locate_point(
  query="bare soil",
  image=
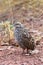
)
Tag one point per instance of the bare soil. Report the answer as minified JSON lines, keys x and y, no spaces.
{"x":11,"y":55}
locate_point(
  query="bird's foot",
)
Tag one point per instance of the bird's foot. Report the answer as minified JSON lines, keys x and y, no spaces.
{"x":23,"y":52}
{"x":29,"y":52}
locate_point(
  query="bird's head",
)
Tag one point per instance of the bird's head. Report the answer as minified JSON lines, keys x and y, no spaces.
{"x":18,"y":25}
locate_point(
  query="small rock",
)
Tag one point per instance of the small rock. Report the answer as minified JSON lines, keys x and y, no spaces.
{"x":9,"y":47}
{"x":35,"y":51}
{"x":4,"y":44}
{"x":3,"y":48}
{"x":26,"y":54}
{"x":24,"y":64}
{"x":41,"y":59}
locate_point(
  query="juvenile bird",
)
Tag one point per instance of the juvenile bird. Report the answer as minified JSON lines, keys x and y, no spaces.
{"x":23,"y":37}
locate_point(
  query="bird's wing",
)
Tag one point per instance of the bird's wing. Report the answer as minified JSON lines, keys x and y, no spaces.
{"x":27,"y":39}
{"x":25,"y":32}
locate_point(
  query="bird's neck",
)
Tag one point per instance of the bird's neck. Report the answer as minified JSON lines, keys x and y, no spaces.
{"x":19,"y":29}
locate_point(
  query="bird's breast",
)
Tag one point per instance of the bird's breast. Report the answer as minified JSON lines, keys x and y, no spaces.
{"x":18,"y":35}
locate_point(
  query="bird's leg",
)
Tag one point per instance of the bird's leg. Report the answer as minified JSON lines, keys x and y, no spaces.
{"x":23,"y":51}
{"x":27,"y":51}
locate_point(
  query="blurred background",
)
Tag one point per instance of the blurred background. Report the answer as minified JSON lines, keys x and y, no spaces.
{"x":29,"y":12}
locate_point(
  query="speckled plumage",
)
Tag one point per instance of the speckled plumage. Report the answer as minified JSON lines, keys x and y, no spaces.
{"x":23,"y":37}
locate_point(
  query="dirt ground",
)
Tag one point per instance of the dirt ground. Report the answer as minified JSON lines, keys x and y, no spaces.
{"x":11,"y":55}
